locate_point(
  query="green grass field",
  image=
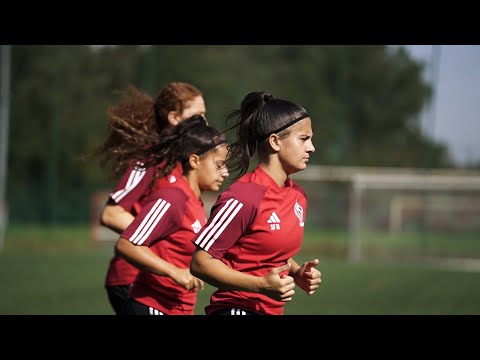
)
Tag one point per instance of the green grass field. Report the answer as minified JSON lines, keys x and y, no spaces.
{"x":45,"y":271}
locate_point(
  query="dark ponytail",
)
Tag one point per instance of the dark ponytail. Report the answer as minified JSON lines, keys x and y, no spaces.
{"x":259,"y":116}
{"x":191,"y":136}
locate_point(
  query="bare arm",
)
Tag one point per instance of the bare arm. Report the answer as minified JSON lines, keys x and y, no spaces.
{"x":146,"y":260}
{"x":115,"y":217}
{"x":216,"y":273}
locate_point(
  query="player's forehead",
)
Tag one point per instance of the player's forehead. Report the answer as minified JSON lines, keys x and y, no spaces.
{"x":218,"y":153}
{"x":303,"y":127}
{"x":194,"y":106}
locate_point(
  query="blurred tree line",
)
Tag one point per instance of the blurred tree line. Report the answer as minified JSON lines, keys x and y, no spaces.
{"x":365,"y":103}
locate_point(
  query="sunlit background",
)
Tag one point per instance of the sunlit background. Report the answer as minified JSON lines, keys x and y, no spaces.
{"x":393,"y":187}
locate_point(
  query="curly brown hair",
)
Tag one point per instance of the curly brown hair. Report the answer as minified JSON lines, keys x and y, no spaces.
{"x":137,"y":122}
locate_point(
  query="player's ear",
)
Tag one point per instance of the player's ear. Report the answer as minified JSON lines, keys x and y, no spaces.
{"x":173,"y":118}
{"x":274,"y":141}
{"x":194,"y":161}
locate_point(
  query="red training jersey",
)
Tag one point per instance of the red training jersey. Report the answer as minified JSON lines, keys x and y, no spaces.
{"x":254,"y":226}
{"x":167,"y":223}
{"x":131,"y":193}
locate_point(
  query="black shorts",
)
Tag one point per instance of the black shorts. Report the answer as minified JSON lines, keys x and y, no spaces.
{"x":133,"y":307}
{"x":118,"y":297}
{"x":234,"y":311}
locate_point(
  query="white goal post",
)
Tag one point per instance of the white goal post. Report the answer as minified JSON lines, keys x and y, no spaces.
{"x":420,"y":182}
{"x":395,"y":210}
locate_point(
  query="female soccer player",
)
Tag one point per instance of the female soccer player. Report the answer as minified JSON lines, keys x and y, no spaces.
{"x":136,"y":121}
{"x":158,"y":241}
{"x":256,"y":225}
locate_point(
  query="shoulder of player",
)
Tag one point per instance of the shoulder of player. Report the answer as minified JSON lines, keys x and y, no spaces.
{"x":298,"y":188}
{"x":171,"y":194}
{"x":245,"y":192}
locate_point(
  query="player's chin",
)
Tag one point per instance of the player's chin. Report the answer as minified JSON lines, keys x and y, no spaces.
{"x":302,"y":165}
{"x":295,"y":169}
{"x":215,"y":187}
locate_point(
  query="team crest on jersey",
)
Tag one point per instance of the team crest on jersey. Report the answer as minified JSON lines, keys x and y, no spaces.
{"x":196,"y":226}
{"x":298,"y":210}
{"x":274,"y":221}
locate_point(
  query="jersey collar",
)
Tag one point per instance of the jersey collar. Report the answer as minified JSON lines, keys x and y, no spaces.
{"x":262,"y":174}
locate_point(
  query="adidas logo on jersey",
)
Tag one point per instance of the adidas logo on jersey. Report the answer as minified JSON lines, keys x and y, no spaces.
{"x":196,"y":226}
{"x":274,"y":221}
{"x":172,"y":179}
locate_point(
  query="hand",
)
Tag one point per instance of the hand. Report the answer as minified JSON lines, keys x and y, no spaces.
{"x":184,"y":278}
{"x":307,"y":277}
{"x":279,"y":287}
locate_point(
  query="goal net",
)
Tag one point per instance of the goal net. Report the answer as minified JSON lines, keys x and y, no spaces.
{"x":391,"y":213}
{"x":414,"y":215}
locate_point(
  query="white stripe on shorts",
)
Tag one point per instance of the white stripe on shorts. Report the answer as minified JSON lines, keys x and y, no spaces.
{"x":154,"y":311}
{"x":234,"y":311}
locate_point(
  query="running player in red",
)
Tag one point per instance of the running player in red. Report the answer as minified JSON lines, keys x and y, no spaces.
{"x":256,"y":226}
{"x":139,"y":121}
{"x":158,"y":241}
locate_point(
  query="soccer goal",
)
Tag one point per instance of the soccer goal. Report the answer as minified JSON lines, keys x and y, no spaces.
{"x":414,"y":215}
{"x":370,"y":212}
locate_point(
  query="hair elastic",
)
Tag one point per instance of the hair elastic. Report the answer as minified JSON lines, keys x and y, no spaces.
{"x":261,"y":138}
{"x":210,"y":147}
